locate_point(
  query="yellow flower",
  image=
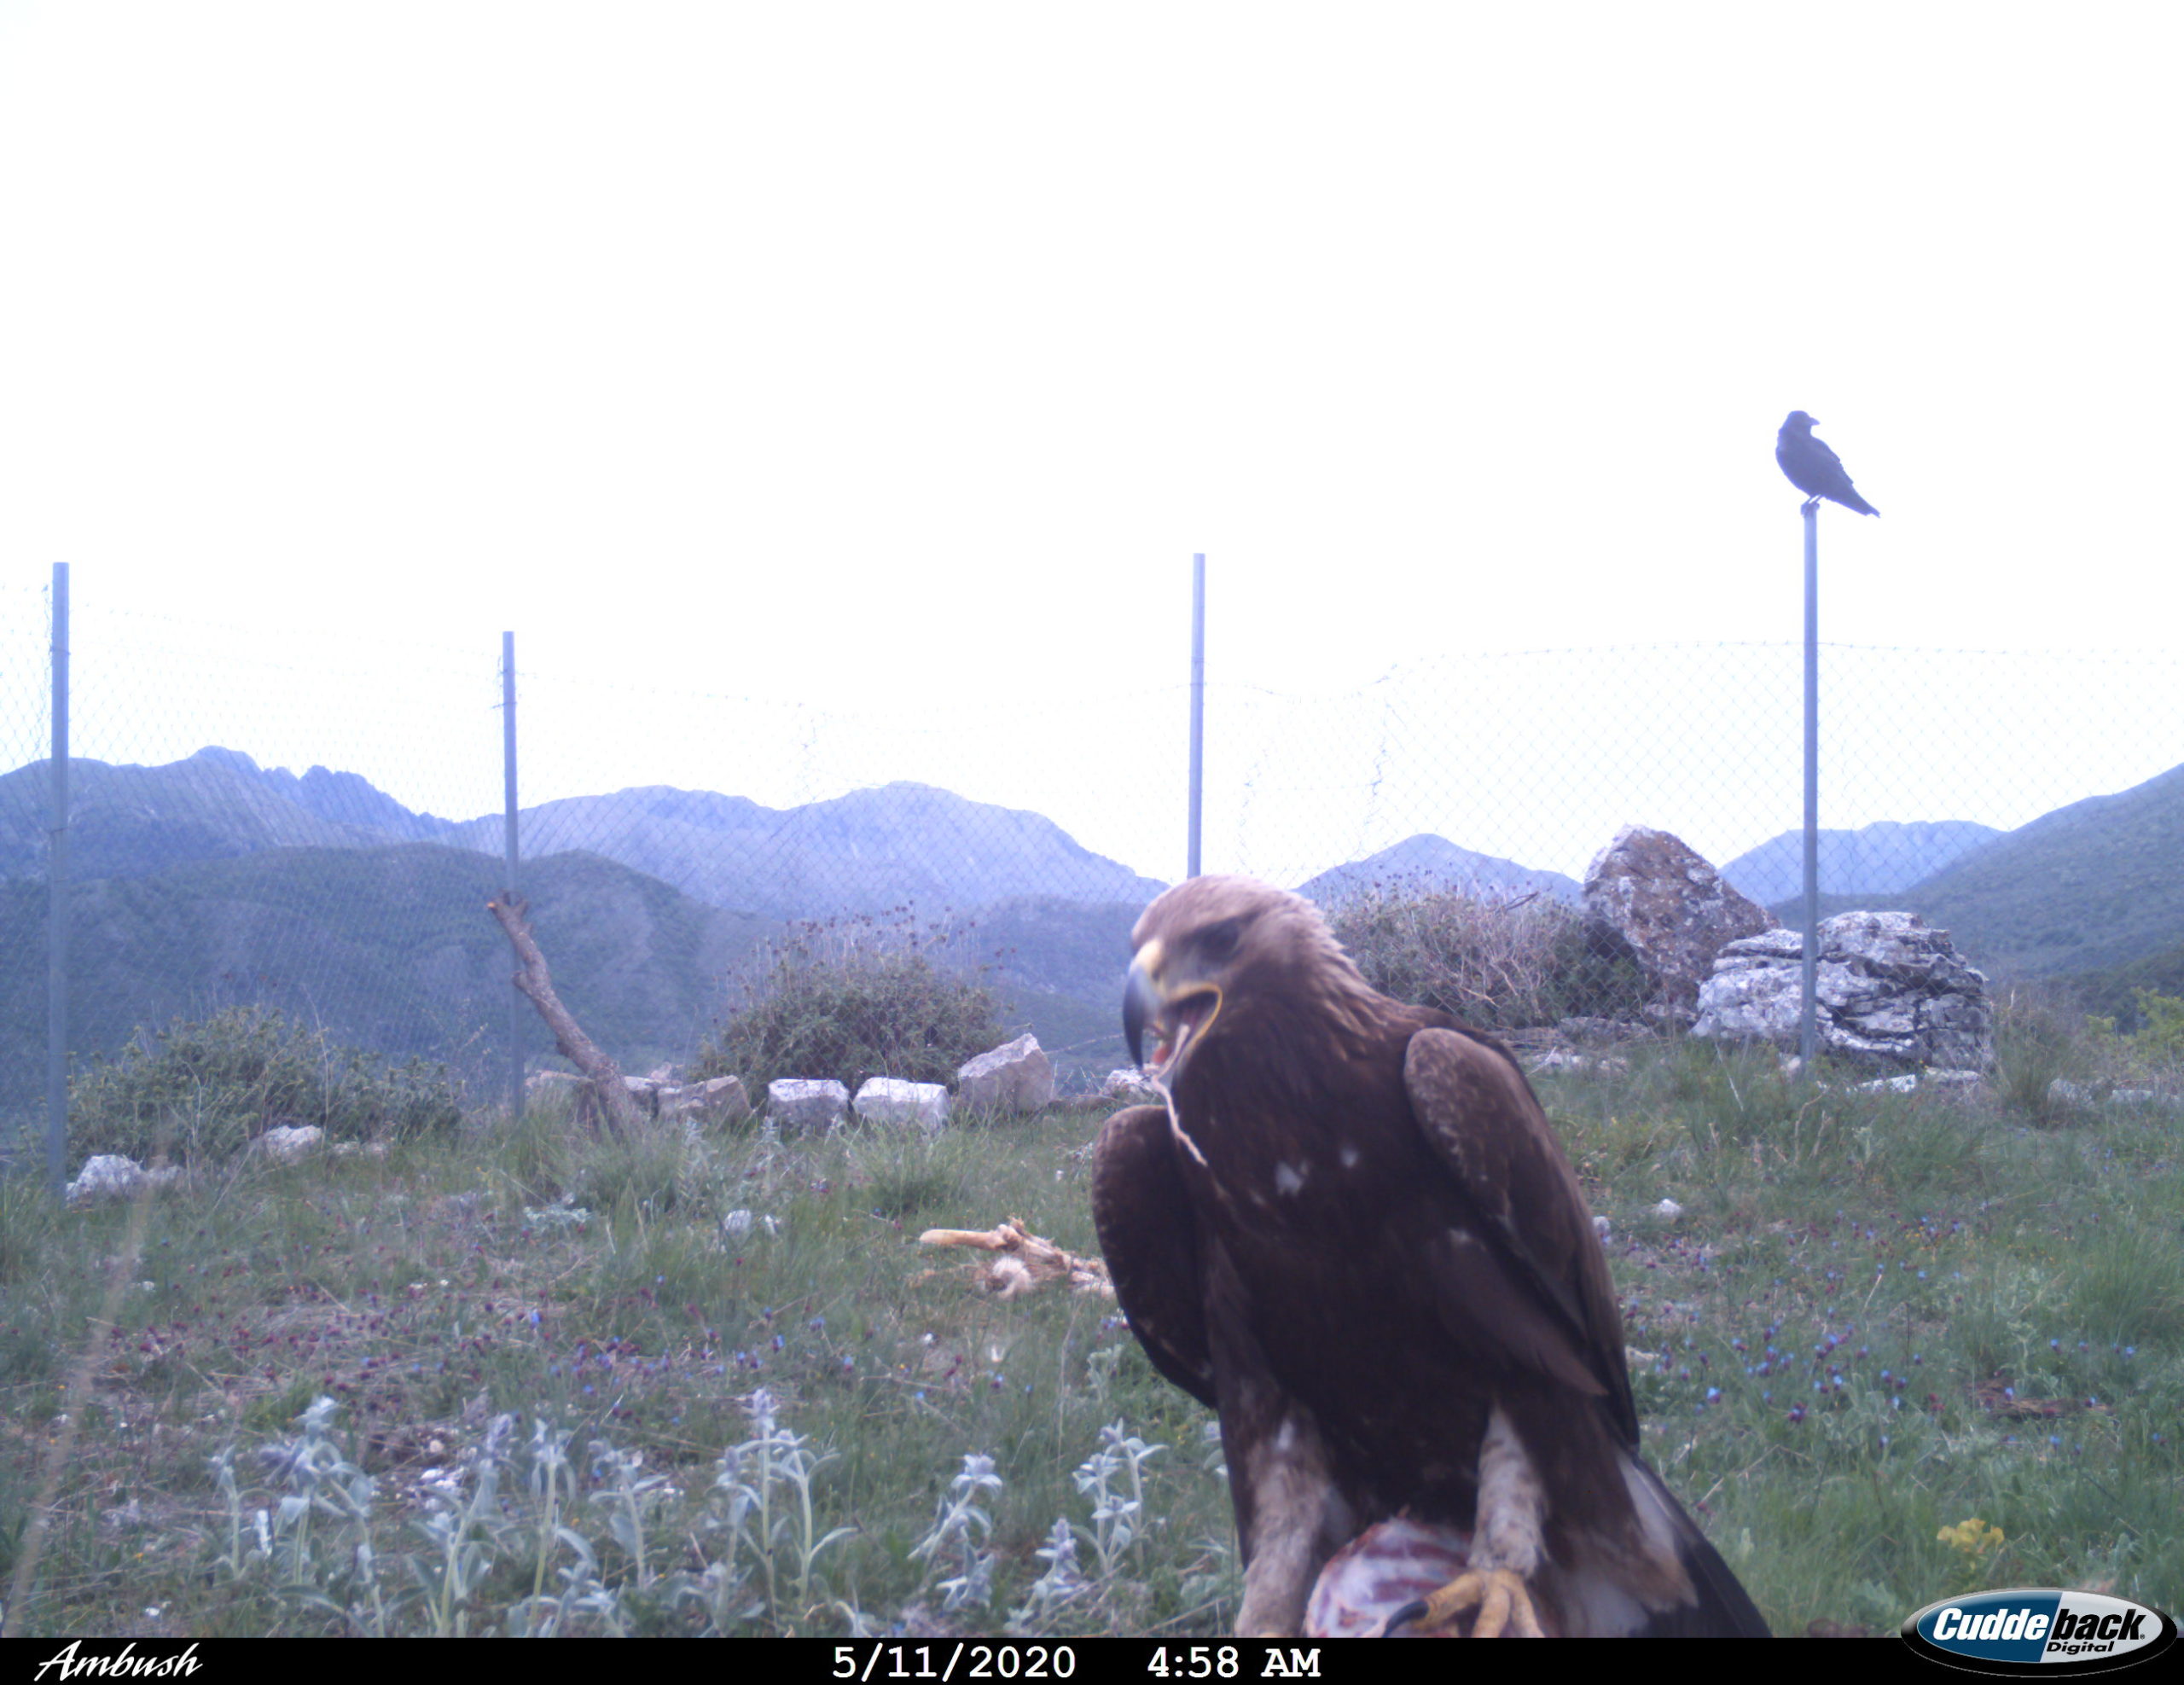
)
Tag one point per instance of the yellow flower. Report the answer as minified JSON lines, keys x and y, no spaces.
{"x":1973,"y":1536}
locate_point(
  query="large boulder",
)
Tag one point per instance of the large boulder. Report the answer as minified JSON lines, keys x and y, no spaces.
{"x":799,"y":1103}
{"x":1659,"y":898}
{"x":1016,"y":1077}
{"x":1891,"y":991}
{"x":890,"y":1100}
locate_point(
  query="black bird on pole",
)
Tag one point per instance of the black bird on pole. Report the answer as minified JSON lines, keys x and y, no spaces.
{"x":1812,"y":467}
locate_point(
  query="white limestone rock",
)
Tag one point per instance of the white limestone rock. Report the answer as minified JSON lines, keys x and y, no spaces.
{"x":285,"y":1145}
{"x":889,"y":1100}
{"x":1016,"y":1078}
{"x":105,"y":1176}
{"x":1891,"y":991}
{"x":800,"y":1103}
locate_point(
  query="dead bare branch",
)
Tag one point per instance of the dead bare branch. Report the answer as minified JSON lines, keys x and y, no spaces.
{"x":537,"y":983}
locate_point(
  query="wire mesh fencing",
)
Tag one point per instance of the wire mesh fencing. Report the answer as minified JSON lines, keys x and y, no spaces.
{"x":2017,"y":798}
{"x":314,"y":824}
{"x":1539,"y":757}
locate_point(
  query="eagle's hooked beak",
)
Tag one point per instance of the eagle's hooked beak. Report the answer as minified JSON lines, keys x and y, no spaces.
{"x":1178,"y":1020}
{"x":1141,"y":1003}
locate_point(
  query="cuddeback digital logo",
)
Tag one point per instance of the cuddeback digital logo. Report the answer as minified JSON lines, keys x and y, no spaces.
{"x":2032,"y":1632}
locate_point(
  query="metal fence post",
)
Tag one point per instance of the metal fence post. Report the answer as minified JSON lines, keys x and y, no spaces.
{"x":56,"y":926}
{"x":1198,"y":709}
{"x":1808,"y":1023}
{"x":507,"y":782}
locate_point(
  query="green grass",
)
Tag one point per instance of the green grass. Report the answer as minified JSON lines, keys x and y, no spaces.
{"x":415,"y":1291}
{"x":1883,"y":1314}
{"x":1877,"y":1316}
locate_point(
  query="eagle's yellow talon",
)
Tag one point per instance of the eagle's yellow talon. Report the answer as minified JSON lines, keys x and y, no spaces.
{"x":1504,"y":1606}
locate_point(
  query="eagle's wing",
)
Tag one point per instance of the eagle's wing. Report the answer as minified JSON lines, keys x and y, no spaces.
{"x":1545,"y":1282}
{"x":1150,"y":1241}
{"x":1557,"y":1312}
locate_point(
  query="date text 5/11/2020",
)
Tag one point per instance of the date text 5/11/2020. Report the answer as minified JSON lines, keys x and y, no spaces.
{"x":947,"y":1661}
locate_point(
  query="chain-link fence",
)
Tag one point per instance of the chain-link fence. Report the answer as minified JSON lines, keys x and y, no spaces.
{"x":314,"y":824}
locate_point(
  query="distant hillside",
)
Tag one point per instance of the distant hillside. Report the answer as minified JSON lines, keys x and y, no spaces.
{"x":128,"y":821}
{"x":391,"y":949}
{"x":1885,"y":859}
{"x":2090,"y":886}
{"x":1431,"y":862}
{"x":1052,"y":944}
{"x":1790,"y":913}
{"x":1060,"y":965}
{"x":865,"y":851}
{"x":388,"y":947}
{"x":214,"y":880}
{"x":2113,"y":990}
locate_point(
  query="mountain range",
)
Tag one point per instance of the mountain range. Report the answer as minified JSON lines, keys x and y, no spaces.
{"x":861,"y":853}
{"x":1428,"y":862}
{"x":1886,"y":858}
{"x":129,"y":822}
{"x":390,"y":947}
{"x":2086,"y":887}
{"x":1880,"y":859}
{"x":213,"y":878}
{"x":865,"y":851}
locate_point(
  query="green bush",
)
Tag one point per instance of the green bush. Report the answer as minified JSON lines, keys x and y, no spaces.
{"x":1498,"y":962}
{"x":210,"y":1088}
{"x":851,"y":999}
{"x":2160,"y":1034}
{"x":2150,"y":1051}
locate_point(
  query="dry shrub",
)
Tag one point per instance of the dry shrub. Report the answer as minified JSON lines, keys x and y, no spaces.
{"x":853,"y":998}
{"x":1500,"y":960}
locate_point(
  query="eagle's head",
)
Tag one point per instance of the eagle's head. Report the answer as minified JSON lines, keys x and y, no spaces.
{"x":1211,"y":950}
{"x":1799,"y":422}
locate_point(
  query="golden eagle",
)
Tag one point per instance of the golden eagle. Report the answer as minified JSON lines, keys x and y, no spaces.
{"x":1352,"y":1233}
{"x":1812,"y":467}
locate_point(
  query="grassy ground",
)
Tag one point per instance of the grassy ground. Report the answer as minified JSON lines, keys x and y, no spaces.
{"x":1877,"y":1316}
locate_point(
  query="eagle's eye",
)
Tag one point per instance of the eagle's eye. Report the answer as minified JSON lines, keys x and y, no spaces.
{"x":1218,"y":942}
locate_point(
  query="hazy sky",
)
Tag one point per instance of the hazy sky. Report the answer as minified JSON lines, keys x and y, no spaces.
{"x":890,"y":361}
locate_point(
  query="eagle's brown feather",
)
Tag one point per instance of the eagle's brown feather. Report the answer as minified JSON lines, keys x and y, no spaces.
{"x":1358,"y":1239}
{"x":1473,"y":1104}
{"x":1145,"y":1231}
